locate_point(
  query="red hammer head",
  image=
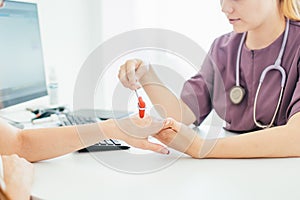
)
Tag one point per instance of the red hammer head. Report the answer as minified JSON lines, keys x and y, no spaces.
{"x":142,"y":107}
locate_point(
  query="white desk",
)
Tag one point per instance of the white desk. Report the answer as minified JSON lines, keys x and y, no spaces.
{"x":81,"y":176}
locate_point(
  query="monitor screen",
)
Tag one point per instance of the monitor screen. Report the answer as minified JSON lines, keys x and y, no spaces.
{"x":22,"y":73}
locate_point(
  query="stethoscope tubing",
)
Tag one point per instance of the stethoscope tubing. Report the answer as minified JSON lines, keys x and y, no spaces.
{"x":276,"y":66}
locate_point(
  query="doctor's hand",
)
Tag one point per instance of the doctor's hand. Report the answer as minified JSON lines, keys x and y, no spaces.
{"x":180,"y":137}
{"x":132,"y":72}
{"x":135,"y":132}
{"x":18,"y":177}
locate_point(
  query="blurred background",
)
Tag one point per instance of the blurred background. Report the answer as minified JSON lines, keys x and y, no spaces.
{"x":71,"y":30}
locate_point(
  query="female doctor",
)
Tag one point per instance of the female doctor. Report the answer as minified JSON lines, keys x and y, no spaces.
{"x":259,"y":65}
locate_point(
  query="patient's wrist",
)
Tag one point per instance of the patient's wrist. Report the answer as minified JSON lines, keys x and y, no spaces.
{"x":108,"y":128}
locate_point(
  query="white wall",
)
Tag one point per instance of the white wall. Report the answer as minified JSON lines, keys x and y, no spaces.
{"x":201,"y":21}
{"x":66,"y":38}
{"x":71,"y":30}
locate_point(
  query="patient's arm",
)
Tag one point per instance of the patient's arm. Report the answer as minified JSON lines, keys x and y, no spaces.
{"x":40,"y":144}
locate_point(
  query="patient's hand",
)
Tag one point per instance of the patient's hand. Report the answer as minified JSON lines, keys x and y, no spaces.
{"x":18,"y":177}
{"x":140,"y":127}
{"x":135,"y":131}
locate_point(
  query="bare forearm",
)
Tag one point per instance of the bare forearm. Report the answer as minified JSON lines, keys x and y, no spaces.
{"x":160,"y":95}
{"x":41,"y":144}
{"x":280,"y":141}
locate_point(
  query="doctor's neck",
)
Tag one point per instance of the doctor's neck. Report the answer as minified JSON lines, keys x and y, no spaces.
{"x":265,"y":34}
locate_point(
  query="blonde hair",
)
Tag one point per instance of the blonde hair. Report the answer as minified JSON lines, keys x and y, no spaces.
{"x":290,"y":9}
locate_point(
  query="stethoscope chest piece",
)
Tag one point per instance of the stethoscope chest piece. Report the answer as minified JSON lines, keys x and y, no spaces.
{"x":236,"y":94}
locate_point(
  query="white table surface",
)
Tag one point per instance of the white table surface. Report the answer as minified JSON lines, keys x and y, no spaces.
{"x":104,"y":175}
{"x":175,"y":176}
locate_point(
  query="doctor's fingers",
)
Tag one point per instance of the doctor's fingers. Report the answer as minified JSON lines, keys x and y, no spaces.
{"x":166,"y":136}
{"x":170,"y":123}
{"x":127,"y":76}
{"x":142,"y":69}
{"x":131,"y":66}
{"x":180,"y":141}
{"x":123,"y":77}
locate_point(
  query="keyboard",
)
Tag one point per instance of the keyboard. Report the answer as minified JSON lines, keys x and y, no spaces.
{"x":77,"y":118}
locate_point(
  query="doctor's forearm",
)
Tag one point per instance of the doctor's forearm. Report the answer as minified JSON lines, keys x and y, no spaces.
{"x":282,"y":141}
{"x":161,"y":95}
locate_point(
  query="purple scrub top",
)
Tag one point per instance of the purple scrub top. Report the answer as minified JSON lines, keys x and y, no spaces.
{"x":209,"y":88}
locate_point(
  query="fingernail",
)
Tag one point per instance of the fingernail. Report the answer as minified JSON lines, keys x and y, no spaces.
{"x":164,"y":151}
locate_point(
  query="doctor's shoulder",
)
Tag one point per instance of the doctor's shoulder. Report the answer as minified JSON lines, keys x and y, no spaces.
{"x":227,"y":40}
{"x":295,"y":23}
{"x":224,"y":47}
{"x":294,"y":36}
{"x":295,"y":31}
{"x":295,"y":27}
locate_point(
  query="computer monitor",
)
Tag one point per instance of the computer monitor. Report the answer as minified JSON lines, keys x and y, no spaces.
{"x":22,"y":73}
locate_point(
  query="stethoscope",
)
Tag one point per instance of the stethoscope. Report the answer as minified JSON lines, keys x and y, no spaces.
{"x":237,"y":92}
